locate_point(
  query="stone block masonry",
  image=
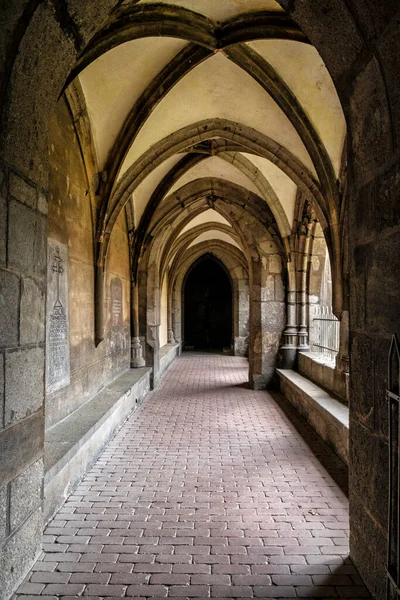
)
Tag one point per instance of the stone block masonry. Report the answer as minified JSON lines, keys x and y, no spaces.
{"x":22,"y":285}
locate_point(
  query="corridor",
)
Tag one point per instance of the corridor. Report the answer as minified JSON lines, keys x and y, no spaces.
{"x":207,"y":490}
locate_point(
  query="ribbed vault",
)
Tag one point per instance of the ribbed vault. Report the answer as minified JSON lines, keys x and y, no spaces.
{"x":221,"y":116}
{"x":183,"y":111}
{"x":150,"y":96}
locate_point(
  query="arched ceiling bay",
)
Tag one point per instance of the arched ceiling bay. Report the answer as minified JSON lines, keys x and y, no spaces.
{"x":303,"y":70}
{"x":145,"y":190}
{"x":218,"y":10}
{"x":113,"y":83}
{"x":143,"y":91}
{"x":212,"y":234}
{"x":217,"y":88}
{"x":208,"y":216}
{"x":206,"y":228}
{"x":283,"y":186}
{"x":216,"y":167}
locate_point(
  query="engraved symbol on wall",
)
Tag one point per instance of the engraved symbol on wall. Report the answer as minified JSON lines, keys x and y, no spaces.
{"x":57,"y":338}
{"x":116,"y":316}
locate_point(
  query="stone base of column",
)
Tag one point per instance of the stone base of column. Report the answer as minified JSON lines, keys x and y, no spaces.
{"x":137,"y":359}
{"x":342,"y":364}
{"x":288,"y":351}
{"x":263,"y":381}
{"x":288,"y":357}
{"x":171,"y":337}
{"x":302,"y":337}
{"x":241,"y":346}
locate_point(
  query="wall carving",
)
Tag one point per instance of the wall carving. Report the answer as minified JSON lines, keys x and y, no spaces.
{"x":57,"y":318}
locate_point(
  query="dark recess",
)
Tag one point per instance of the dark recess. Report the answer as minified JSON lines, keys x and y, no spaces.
{"x":207,"y":307}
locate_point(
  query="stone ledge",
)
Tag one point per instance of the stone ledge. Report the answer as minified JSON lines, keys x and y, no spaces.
{"x":72,"y":445}
{"x":168,"y":353}
{"x":327,"y":415}
{"x":323,"y":372}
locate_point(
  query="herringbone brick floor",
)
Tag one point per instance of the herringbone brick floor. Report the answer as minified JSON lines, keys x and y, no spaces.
{"x":207,"y":491}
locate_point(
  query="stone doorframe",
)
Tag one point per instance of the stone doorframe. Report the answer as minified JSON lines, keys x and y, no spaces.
{"x":235,"y":264}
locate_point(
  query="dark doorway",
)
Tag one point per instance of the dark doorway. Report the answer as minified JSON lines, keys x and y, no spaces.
{"x":207,"y":302}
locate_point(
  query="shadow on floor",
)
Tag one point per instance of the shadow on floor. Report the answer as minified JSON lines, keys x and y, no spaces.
{"x":337,"y":469}
{"x":343,"y":582}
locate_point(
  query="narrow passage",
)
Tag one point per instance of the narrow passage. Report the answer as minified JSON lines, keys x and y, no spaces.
{"x":208,"y":490}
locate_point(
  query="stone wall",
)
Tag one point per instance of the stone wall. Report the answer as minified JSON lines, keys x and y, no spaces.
{"x":365,"y":73}
{"x":23,"y":208}
{"x":36,"y":56}
{"x":374,"y":317}
{"x":374,"y":248}
{"x":70,"y":223}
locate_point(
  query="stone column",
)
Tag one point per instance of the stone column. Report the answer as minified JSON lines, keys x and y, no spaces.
{"x":137,"y":359}
{"x":171,"y":336}
{"x":153,"y":293}
{"x":255,"y":356}
{"x":290,"y":339}
{"x":241,"y":346}
{"x":153,"y":353}
{"x":303,"y":295}
{"x":176,"y":316}
{"x":267,"y":315}
{"x":342,"y":358}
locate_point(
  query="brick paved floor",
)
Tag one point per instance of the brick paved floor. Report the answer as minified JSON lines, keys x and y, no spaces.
{"x":207,"y":491}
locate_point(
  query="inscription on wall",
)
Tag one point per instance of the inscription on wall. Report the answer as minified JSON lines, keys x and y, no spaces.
{"x":57,"y":327}
{"x":116,"y":317}
{"x":116,"y":302}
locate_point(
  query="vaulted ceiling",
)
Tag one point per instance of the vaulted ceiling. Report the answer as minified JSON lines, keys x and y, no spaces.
{"x":186,"y":90}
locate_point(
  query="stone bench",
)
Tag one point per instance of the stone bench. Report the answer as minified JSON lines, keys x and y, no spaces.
{"x":322,"y":372}
{"x":73,"y":445}
{"x":168,"y":353}
{"x":327,"y":415}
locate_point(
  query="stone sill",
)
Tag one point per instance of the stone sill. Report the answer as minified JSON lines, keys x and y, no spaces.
{"x":167,"y":349}
{"x":168,"y":353}
{"x":322,"y":371}
{"x":72,"y":445}
{"x":327,"y":415}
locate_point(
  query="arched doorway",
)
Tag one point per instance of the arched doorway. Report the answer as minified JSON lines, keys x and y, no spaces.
{"x":207,"y":306}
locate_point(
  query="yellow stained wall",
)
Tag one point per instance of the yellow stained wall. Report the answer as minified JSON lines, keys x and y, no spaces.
{"x":164,"y":313}
{"x":71,"y":223}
